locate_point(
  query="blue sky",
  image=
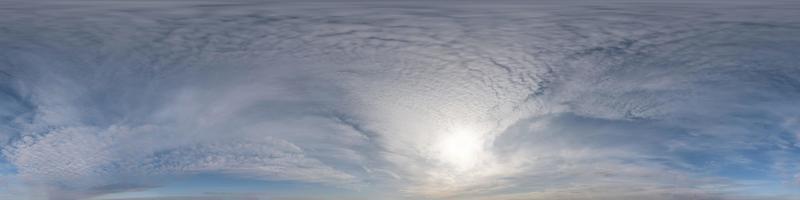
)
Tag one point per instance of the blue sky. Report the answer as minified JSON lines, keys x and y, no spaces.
{"x":274,"y":100}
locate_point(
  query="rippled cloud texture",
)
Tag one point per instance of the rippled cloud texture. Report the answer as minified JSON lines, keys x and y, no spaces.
{"x":608,"y":100}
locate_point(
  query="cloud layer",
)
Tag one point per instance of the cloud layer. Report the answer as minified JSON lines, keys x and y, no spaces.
{"x":546,"y":100}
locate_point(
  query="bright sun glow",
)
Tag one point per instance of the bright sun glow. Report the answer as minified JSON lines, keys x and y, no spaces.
{"x":461,"y":148}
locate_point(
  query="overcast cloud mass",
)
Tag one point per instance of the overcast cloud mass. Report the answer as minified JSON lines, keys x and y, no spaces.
{"x":277,"y":100}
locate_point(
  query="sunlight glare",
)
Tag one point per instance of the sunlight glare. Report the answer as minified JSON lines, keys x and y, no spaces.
{"x":461,"y":148}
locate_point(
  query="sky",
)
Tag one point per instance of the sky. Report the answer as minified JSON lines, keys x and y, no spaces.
{"x":395,"y":100}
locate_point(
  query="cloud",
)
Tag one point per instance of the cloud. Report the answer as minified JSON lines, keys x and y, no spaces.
{"x":595,"y":101}
{"x":190,"y":197}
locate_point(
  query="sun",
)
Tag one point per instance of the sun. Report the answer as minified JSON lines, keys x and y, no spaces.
{"x":461,"y":148}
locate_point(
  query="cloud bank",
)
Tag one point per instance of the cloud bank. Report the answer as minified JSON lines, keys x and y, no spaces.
{"x":545,"y":100}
